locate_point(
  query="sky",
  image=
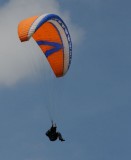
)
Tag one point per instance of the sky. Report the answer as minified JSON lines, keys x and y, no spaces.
{"x":91,"y":104}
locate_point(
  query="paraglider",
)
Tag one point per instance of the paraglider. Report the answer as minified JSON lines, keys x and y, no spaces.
{"x":53,"y":135}
{"x":52,"y":36}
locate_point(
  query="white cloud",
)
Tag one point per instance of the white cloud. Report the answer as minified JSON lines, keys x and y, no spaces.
{"x":17,"y":59}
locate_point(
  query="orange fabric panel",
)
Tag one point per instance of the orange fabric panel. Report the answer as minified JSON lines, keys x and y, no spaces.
{"x":24,"y":26}
{"x":47,"y":32}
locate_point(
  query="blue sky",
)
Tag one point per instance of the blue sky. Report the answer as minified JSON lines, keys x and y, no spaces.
{"x":91,"y":103}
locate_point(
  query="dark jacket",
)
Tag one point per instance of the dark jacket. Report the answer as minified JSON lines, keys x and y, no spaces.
{"x":52,"y":134}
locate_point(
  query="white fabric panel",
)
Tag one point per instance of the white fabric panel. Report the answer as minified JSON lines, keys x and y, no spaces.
{"x":65,"y":44}
{"x":34,"y":25}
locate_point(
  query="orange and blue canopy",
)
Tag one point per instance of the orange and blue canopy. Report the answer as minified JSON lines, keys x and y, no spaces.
{"x":52,"y":35}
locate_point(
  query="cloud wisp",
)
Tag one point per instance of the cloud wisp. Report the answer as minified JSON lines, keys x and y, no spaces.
{"x":16,"y":58}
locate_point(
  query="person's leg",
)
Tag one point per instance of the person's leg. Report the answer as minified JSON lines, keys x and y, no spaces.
{"x":60,"y":136}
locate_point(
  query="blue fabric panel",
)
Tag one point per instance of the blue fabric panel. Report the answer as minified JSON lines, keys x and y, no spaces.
{"x":56,"y":47}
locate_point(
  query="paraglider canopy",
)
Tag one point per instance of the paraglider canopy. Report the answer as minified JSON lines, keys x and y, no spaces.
{"x":52,"y":35}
